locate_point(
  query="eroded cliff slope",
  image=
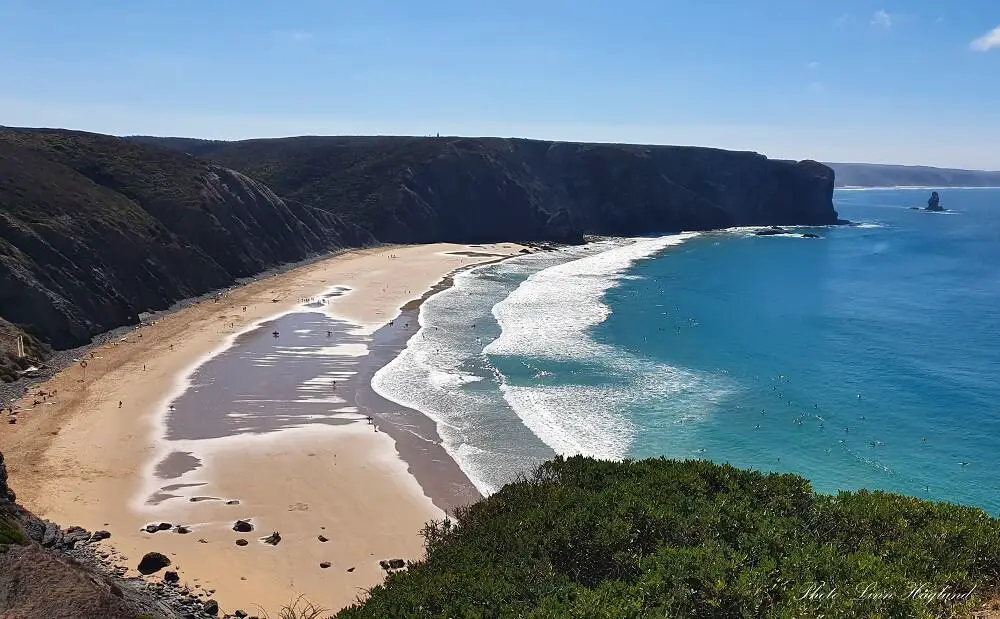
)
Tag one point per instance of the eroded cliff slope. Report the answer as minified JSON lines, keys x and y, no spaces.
{"x":95,"y":229}
{"x":413,"y":189}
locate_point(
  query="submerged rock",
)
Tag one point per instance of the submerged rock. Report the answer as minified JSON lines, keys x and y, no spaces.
{"x":934,"y":202}
{"x":773,"y":230}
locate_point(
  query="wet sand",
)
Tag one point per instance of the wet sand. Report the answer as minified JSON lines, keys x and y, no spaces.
{"x":261,"y":435}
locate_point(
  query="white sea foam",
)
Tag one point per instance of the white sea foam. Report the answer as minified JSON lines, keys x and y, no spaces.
{"x":549,"y":317}
{"x":549,"y":310}
{"x":495,"y":433}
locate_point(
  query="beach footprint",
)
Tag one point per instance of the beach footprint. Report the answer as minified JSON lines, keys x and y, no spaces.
{"x":298,"y":507}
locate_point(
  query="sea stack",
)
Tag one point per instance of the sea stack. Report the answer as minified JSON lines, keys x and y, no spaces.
{"x":934,"y":203}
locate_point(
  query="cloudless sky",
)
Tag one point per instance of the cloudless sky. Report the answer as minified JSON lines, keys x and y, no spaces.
{"x":849,"y":80}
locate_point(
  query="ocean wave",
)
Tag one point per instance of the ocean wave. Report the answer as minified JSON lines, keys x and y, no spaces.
{"x":441,"y":373}
{"x":546,"y":313}
{"x":546,"y":322}
{"x":593,"y":419}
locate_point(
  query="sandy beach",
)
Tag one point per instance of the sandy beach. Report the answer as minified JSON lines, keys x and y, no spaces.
{"x":123,"y":442}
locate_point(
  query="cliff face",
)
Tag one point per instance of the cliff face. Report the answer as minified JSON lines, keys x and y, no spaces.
{"x":432,"y":189}
{"x":96,"y":229}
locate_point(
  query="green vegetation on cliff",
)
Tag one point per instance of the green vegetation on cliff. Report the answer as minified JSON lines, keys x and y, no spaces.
{"x":661,"y":538}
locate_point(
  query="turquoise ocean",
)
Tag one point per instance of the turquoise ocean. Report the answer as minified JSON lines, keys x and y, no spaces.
{"x":867,"y":358}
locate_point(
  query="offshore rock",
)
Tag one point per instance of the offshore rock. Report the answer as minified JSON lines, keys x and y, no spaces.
{"x":934,"y":202}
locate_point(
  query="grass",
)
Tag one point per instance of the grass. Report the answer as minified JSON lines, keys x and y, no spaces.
{"x":11,"y":533}
{"x":298,"y":609}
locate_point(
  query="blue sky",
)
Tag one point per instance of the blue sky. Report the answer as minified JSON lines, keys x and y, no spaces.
{"x":847,"y":80}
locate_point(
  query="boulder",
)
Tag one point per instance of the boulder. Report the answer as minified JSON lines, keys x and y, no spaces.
{"x":99,"y":535}
{"x":211,"y":607}
{"x":182,"y":530}
{"x":242,"y":526}
{"x":153,"y":562}
{"x":773,"y":230}
{"x":392,"y":564}
{"x":73,"y":536}
{"x":171,"y":576}
{"x":52,"y":535}
{"x":325,"y":564}
{"x":810,"y":235}
{"x":272,"y":539}
{"x":322,"y":538}
{"x":241,"y":542}
{"x":934,"y":202}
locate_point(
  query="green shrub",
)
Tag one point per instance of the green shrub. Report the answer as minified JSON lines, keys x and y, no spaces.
{"x":661,"y":538}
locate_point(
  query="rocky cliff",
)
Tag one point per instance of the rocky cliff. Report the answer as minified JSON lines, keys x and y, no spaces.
{"x":404,"y":189}
{"x":96,"y":229}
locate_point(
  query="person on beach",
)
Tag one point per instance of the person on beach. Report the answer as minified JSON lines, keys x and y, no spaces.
{"x":370,"y":420}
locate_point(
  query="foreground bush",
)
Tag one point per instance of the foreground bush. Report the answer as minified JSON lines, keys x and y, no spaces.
{"x":660,"y":538}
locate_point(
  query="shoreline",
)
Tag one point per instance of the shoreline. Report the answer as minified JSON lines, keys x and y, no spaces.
{"x":77,"y":452}
{"x":416,"y":436}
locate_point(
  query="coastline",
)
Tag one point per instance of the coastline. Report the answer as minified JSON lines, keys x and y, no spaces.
{"x":75,"y":453}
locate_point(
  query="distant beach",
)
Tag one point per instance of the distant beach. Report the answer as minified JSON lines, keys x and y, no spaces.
{"x":227,"y":410}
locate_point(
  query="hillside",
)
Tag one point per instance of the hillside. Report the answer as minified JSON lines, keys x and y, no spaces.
{"x":95,"y":229}
{"x":661,"y":538}
{"x":877,"y":175}
{"x":414,"y":189}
